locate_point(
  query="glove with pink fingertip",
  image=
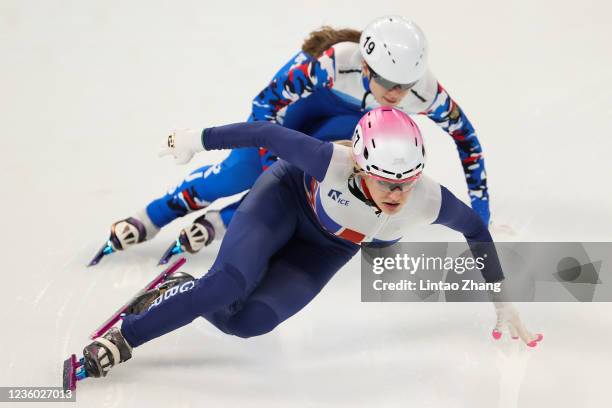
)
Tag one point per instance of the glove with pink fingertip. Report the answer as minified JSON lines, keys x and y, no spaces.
{"x":508,"y":317}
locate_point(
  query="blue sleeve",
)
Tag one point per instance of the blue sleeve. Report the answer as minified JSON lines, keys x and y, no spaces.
{"x":450,"y":117}
{"x":298,"y":79}
{"x":307,"y":153}
{"x":456,"y":215}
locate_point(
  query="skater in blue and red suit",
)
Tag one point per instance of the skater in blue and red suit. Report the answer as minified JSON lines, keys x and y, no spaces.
{"x":322,"y":91}
{"x":292,"y":233}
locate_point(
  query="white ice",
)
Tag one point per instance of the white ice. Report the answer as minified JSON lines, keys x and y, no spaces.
{"x":87,"y":89}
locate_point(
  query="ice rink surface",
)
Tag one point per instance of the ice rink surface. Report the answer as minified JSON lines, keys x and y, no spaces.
{"x":89,"y":88}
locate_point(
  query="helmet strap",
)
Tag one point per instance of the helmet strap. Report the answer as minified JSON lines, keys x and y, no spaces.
{"x":361,"y":192}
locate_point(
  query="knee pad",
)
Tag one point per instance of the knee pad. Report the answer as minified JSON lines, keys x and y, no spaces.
{"x":255,"y":318}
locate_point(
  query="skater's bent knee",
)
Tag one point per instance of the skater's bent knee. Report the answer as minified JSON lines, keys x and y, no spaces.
{"x":256,"y":318}
{"x":218,"y":289}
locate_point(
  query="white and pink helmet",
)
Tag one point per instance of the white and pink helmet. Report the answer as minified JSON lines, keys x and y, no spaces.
{"x":388,"y":145}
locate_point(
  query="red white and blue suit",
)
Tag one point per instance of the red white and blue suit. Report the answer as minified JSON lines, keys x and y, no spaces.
{"x":301,"y":222}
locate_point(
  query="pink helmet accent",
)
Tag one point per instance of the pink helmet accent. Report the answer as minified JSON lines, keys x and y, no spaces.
{"x":388,"y":145}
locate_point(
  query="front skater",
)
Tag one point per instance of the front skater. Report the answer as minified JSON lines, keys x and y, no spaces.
{"x":289,"y":236}
{"x":322,"y":91}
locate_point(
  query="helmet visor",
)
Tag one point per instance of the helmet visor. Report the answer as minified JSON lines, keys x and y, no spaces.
{"x":390,"y":186}
{"x":385,"y":83}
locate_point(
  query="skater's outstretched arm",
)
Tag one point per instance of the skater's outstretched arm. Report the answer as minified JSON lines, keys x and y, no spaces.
{"x":459,"y":217}
{"x":309,"y":154}
{"x":450,"y":117}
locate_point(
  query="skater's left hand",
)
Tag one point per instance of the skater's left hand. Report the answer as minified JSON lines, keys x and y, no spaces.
{"x":508,"y":317}
{"x":182,"y":145}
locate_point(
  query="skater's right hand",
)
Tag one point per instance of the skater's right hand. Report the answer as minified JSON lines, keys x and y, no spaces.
{"x":182,"y":145}
{"x":508,"y":317}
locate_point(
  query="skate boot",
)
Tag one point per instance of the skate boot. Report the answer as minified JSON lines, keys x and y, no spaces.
{"x":106,"y":352}
{"x":191,"y":239}
{"x":126,"y":233}
{"x":110,"y":347}
{"x":144,"y":301}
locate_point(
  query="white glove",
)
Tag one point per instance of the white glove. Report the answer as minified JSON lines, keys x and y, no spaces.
{"x":508,"y":317}
{"x":182,"y":145}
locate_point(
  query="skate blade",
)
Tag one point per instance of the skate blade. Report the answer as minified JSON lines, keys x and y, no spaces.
{"x":106,"y":249}
{"x":69,"y":378}
{"x":115,"y":317}
{"x":174,"y":249}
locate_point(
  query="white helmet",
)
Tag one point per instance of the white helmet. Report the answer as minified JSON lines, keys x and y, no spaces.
{"x":395,"y":48}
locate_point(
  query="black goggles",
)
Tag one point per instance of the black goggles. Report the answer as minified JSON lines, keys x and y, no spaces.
{"x":385,"y":83}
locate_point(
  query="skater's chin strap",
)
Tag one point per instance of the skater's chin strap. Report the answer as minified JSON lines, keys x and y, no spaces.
{"x":360,"y":194}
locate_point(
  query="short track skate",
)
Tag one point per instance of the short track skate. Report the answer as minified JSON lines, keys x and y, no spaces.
{"x":74,"y":370}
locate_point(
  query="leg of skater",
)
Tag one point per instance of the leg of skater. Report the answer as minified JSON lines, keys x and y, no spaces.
{"x":218,"y":220}
{"x":239,"y":265}
{"x":254,"y":236}
{"x":295,"y":276}
{"x":251,"y":288}
{"x":202,"y":232}
{"x":235,"y":174}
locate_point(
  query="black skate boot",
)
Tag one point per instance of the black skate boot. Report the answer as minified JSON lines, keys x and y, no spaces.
{"x":191,"y":239}
{"x":144,"y":301}
{"x":106,"y":352}
{"x":126,"y":233}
